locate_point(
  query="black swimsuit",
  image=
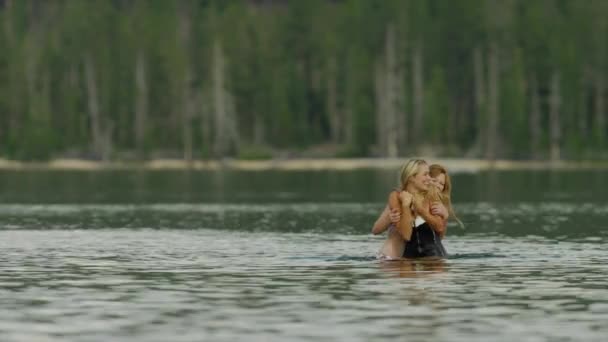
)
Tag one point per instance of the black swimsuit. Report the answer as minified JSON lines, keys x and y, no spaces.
{"x":424,"y":243}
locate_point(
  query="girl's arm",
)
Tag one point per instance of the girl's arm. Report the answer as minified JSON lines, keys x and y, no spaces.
{"x":382,"y":222}
{"x":439,"y":209}
{"x":437,"y":223}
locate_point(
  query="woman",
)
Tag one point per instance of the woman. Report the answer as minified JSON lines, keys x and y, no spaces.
{"x":422,"y":223}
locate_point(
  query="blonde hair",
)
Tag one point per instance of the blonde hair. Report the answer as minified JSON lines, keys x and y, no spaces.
{"x":445,"y":195}
{"x":409,"y":170}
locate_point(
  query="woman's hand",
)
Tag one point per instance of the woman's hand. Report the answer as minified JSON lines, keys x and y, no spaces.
{"x":438,"y":209}
{"x":406,"y":199}
{"x":395,"y":216}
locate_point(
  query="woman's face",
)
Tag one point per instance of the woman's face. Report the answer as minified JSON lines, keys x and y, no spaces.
{"x":439,"y":181}
{"x":421,"y":180}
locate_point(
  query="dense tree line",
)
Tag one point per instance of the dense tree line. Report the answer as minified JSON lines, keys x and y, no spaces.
{"x":115,"y":79}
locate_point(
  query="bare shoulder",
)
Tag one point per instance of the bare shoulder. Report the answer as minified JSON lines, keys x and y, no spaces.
{"x":393,"y":195}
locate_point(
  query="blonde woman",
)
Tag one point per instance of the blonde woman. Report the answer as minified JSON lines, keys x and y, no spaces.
{"x":418,"y":215}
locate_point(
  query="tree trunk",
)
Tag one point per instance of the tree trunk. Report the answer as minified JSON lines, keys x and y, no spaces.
{"x":535,"y":128}
{"x":15,"y":78}
{"x":141,"y":105}
{"x":206,"y":112}
{"x":583,"y":129}
{"x":232,"y":127}
{"x":600,"y":109}
{"x":391,"y":79}
{"x":187,"y":106}
{"x":418,"y":84}
{"x":332,"y":102}
{"x":480,"y":99}
{"x":600,"y":26}
{"x":390,"y":109}
{"x":381,"y":112}
{"x":93,"y":104}
{"x":493,"y":103}
{"x":29,"y":48}
{"x":187,"y":114}
{"x":401,"y":127}
{"x":312,"y":76}
{"x":220,"y":144}
{"x":74,"y":76}
{"x":349,"y":125}
{"x":554,"y":116}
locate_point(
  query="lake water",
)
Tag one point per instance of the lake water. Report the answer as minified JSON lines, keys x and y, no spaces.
{"x":287,"y":256}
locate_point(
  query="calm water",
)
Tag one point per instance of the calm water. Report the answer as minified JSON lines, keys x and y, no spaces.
{"x":287,"y":256}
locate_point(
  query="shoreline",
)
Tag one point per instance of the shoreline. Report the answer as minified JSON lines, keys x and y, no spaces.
{"x":311,"y":164}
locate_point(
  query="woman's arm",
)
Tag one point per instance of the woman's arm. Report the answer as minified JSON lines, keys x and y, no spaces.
{"x":382,"y":222}
{"x":401,"y":202}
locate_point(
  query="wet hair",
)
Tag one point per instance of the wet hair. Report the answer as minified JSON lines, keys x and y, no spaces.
{"x":436,"y":170}
{"x":409,"y":170}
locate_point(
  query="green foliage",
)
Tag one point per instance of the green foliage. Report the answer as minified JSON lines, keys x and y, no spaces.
{"x":513,"y":107}
{"x":438,"y":108}
{"x":292,"y":69}
{"x":255,"y":152}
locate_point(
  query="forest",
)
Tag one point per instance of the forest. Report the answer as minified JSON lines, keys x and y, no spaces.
{"x":202,"y":79}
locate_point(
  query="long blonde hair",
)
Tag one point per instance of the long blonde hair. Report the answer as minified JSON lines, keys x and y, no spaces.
{"x":435,"y":170}
{"x":409,"y":170}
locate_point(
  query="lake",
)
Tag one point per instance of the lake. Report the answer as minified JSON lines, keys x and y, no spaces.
{"x":288,"y":256}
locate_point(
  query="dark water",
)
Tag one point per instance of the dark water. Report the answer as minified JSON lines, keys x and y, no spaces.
{"x":287,"y":256}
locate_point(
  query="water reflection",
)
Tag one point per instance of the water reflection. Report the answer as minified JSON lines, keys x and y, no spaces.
{"x":229,"y":186}
{"x":553,"y":220}
{"x":413,"y":268}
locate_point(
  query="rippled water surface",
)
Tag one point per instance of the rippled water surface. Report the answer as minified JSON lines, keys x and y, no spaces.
{"x":263,"y":256}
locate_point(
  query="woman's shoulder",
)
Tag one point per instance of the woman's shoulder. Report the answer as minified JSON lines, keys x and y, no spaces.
{"x":394,"y":192}
{"x":393,"y":198}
